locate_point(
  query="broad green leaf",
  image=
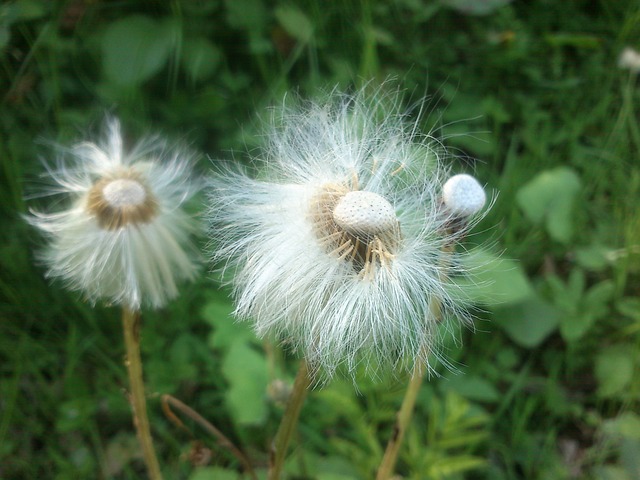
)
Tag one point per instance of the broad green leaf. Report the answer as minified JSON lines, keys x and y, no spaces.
{"x":136,"y":48}
{"x":28,"y":9}
{"x":594,"y":257}
{"x":627,"y":424}
{"x":573,"y":40}
{"x":549,"y":197}
{"x":226,"y":329}
{"x":296,"y":23}
{"x":629,"y":307}
{"x":573,"y":326}
{"x":472,"y":387}
{"x":494,"y":281}
{"x":576,"y":285}
{"x":614,"y":369}
{"x":611,"y":472}
{"x":528,"y":323}
{"x":200,"y":58}
{"x":246,"y":371}
{"x":475,"y":7}
{"x":250,"y":15}
{"x":598,"y":296}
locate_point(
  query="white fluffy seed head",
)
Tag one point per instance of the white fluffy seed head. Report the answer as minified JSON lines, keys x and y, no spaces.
{"x":124,"y":192}
{"x":364,"y":213}
{"x":125,"y":238}
{"x":340,"y":248}
{"x":463,"y":195}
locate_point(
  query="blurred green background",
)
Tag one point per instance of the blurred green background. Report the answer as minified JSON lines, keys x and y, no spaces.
{"x":547,"y":386}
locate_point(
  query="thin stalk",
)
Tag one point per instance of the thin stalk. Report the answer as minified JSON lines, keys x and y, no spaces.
{"x":289,"y":421}
{"x":131,"y":327}
{"x":404,"y":415}
{"x":208,"y":426}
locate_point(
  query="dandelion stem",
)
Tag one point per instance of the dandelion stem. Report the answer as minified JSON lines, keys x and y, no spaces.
{"x":403,"y":417}
{"x":289,"y":421}
{"x":131,"y":326}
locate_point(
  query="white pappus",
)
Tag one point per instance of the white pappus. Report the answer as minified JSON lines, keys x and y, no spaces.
{"x":341,"y":247}
{"x":124,"y":236}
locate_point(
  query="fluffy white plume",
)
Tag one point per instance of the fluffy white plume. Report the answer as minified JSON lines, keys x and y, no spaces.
{"x":341,"y":246}
{"x":124,"y":238}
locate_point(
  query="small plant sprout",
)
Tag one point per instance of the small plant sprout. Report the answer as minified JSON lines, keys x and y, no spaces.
{"x":338,"y":247}
{"x":124,"y":238}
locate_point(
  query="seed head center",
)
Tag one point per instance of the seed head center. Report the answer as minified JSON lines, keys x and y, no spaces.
{"x":124,"y":192}
{"x":117,"y":202}
{"x":365,"y":214}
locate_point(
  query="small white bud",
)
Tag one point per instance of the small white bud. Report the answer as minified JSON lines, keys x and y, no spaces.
{"x":463,"y":195}
{"x":630,"y":60}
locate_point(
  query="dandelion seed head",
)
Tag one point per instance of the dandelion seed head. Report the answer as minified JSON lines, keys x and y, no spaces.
{"x":117,"y":202}
{"x":340,"y":247}
{"x":124,"y":237}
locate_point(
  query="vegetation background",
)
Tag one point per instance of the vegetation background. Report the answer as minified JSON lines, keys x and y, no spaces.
{"x":548,"y":385}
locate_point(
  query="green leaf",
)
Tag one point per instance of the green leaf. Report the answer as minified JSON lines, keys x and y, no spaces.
{"x":474,"y":7}
{"x":226,"y":330}
{"x":611,"y":472}
{"x":629,"y":307}
{"x":246,"y":371}
{"x":494,"y":281}
{"x":29,"y":9}
{"x":594,"y":257}
{"x":211,"y":473}
{"x":249,"y":15}
{"x":580,"y":309}
{"x":549,"y":197}
{"x":472,"y":387}
{"x":296,"y":23}
{"x":136,"y":48}
{"x":528,"y":323}
{"x":614,"y":370}
{"x":627,"y":425}
{"x":200,"y":59}
{"x":573,"y":326}
{"x":598,"y":296}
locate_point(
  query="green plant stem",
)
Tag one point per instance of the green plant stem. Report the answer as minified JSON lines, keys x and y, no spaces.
{"x":289,"y":421}
{"x":208,"y":426}
{"x":403,"y":417}
{"x":131,"y":326}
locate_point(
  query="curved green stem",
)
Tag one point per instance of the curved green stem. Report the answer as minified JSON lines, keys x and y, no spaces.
{"x":131,"y":327}
{"x":403,"y":417}
{"x":289,"y":421}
